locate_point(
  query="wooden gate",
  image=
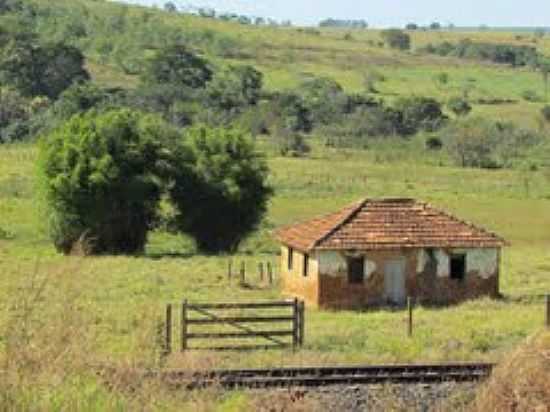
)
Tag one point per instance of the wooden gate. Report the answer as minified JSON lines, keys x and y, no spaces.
{"x":238,"y":326}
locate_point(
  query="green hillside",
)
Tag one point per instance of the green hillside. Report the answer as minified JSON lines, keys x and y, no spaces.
{"x":119,"y":37}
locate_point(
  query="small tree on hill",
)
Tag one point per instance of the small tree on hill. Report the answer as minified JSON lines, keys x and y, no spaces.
{"x":177,"y":66}
{"x":396,"y":39}
{"x":41,"y":70}
{"x":419,"y":113}
{"x":170,"y":7}
{"x":101,"y":178}
{"x":225,"y":196}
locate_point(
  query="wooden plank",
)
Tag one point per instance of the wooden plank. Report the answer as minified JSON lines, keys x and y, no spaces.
{"x":258,"y":319}
{"x":256,"y":334}
{"x":240,"y":348}
{"x":259,"y":305}
{"x":238,"y":326}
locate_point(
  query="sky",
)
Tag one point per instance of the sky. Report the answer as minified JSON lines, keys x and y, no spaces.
{"x":385,"y":13}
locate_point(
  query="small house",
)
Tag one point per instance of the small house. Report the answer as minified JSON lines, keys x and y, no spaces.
{"x":379,"y":252}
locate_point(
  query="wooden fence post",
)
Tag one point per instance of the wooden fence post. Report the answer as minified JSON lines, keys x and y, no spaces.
{"x":168,"y":331}
{"x":243,"y":272}
{"x":184,"y":325}
{"x":261,"y":270}
{"x":270,"y":273}
{"x":229,"y":271}
{"x":295,"y":324}
{"x":301,"y":310}
{"x":548,"y":311}
{"x":410,"y":310}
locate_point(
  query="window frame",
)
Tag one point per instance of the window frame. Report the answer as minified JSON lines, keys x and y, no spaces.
{"x":305,"y":267}
{"x":352,"y":280}
{"x":452,"y":274}
{"x":290,"y":259}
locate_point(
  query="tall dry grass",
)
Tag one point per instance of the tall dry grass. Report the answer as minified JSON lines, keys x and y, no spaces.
{"x":521,"y":382}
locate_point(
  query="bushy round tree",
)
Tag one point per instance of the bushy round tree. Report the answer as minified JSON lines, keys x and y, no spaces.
{"x":42,"y":70}
{"x":396,"y":39}
{"x":225,"y":196}
{"x":177,"y":66}
{"x":101,"y":178}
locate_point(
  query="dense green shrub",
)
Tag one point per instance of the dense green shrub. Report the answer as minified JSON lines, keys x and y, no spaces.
{"x":41,"y":70}
{"x":225,"y":196}
{"x":434,"y":143}
{"x":292,"y":144}
{"x":291,"y":113}
{"x":531,"y":96}
{"x":495,"y":52}
{"x":476,"y":142}
{"x":396,"y":39}
{"x":234,"y":89}
{"x":545,"y":111}
{"x":80,"y":98}
{"x":419,"y":113}
{"x":459,"y":106}
{"x":177,"y":66}
{"x":14,"y":114}
{"x":101,"y":180}
{"x":324,"y":98}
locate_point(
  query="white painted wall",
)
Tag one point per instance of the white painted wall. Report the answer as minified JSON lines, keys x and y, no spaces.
{"x":332,"y":263}
{"x":443,"y":264}
{"x":482,"y":261}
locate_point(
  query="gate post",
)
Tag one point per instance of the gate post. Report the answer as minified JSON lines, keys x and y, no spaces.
{"x":184,"y":325}
{"x":168,"y":331}
{"x":548,"y":311}
{"x":295,"y":324}
{"x":301,"y":311}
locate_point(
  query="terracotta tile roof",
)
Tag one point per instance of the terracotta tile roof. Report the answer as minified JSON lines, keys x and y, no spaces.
{"x":386,"y":224}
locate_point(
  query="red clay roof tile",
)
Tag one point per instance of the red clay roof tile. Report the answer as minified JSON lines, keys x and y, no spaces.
{"x":386,"y":224}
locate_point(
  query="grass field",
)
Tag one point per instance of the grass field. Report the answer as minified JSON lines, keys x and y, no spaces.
{"x":113,"y":304}
{"x":60,"y":314}
{"x":121,"y":289}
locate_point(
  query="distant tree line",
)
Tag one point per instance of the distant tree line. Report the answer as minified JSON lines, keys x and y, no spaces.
{"x":211,"y":13}
{"x":348,"y":24}
{"x":515,"y":55}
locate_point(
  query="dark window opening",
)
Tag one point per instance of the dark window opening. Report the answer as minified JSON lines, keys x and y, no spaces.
{"x":458,"y":267}
{"x":356,"y":270}
{"x":290,"y":262}
{"x":306,"y":265}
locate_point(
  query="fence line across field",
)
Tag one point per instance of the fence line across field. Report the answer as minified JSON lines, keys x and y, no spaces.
{"x":265,"y":272}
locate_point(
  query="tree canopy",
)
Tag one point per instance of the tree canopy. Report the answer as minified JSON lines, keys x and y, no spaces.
{"x":225,"y":196}
{"x":41,"y":70}
{"x":101,"y":180}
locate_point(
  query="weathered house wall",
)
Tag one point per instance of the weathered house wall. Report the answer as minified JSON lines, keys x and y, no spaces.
{"x":337,"y":292}
{"x":427,"y":277}
{"x":294,"y":281}
{"x":433,"y":283}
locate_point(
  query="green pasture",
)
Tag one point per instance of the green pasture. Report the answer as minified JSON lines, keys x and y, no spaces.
{"x":124,"y":297}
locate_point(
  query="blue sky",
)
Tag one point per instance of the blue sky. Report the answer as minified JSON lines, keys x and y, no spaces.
{"x":389,"y":12}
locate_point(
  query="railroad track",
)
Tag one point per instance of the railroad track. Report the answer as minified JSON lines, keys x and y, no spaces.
{"x":326,"y":376}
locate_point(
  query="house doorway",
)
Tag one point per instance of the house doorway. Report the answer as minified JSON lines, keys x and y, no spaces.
{"x":394,"y":281}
